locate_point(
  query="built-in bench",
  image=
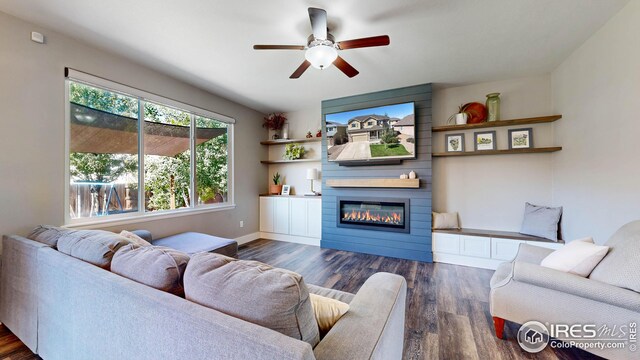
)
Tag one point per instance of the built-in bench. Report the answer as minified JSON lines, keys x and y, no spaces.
{"x":482,"y":248}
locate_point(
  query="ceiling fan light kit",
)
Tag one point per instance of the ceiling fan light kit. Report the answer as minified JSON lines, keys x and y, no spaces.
{"x":321,"y":56}
{"x":322,"y":50}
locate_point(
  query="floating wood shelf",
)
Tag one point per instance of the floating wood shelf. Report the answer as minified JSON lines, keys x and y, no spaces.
{"x":288,"y":161}
{"x":495,"y":234}
{"x":375,"y":183}
{"x":289,"y":141}
{"x":499,"y":123}
{"x":500,"y":152}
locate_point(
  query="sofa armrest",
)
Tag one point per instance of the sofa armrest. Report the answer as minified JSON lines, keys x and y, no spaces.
{"x":531,"y":254}
{"x":373,"y":328}
{"x":576,"y":285}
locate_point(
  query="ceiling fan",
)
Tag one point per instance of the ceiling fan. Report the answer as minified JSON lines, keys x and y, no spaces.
{"x":322,"y":49}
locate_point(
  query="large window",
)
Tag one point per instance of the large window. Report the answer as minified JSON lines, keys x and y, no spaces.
{"x":133,"y":153}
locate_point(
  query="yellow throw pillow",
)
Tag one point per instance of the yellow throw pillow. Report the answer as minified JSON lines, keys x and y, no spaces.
{"x":328,"y":311}
{"x":134,"y":238}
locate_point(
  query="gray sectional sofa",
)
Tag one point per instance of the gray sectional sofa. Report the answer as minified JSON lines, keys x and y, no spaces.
{"x":65,"y":308}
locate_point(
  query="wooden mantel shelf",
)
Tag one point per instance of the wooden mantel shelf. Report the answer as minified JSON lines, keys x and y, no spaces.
{"x":499,"y":123}
{"x":500,"y":152}
{"x":375,"y":183}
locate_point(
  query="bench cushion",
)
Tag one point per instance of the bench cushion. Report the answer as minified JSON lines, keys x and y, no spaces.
{"x":193,"y":242}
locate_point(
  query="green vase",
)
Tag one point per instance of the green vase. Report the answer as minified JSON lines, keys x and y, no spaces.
{"x":493,"y":106}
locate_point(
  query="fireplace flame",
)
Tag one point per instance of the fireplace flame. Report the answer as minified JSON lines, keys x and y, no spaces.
{"x":367,"y":216}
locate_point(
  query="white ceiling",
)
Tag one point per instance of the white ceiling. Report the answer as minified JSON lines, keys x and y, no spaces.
{"x":209,"y":42}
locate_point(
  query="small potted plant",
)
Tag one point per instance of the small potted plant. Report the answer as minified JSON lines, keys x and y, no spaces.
{"x":293,"y":151}
{"x":276,"y":187}
{"x":460,"y":118}
{"x":274,"y":122}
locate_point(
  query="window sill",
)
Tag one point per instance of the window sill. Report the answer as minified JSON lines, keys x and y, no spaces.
{"x":136,"y":218}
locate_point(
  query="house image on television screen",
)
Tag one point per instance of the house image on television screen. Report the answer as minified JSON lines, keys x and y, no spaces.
{"x":385,"y":132}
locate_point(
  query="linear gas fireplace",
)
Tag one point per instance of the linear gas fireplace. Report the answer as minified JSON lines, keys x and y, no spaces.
{"x":380,"y":214}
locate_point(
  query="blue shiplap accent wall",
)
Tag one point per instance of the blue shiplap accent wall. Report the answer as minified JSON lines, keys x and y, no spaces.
{"x":415,"y":245}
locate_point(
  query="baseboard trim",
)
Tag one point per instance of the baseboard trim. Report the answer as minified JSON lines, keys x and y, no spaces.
{"x":291,"y":238}
{"x":490,"y":264}
{"x":247,"y":238}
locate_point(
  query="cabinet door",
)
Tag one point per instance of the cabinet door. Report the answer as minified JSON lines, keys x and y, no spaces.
{"x":281,"y":223}
{"x":314,"y":218}
{"x":446,"y":243}
{"x":267,"y":212}
{"x":504,"y":249}
{"x":477,"y":246}
{"x":298,"y":211}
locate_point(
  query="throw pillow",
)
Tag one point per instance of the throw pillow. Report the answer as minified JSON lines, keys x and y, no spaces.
{"x":47,"y":234}
{"x":159,"y":267}
{"x":541,"y":221}
{"x":445,"y":220}
{"x":578,"y":257}
{"x":327,"y":311}
{"x":621,"y":267}
{"x":277,"y":299}
{"x":135,"y":239}
{"x":93,"y":246}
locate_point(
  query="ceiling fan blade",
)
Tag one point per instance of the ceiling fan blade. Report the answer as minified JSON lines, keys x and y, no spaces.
{"x":278,"y":47}
{"x":364,"y":42}
{"x":344,"y":66}
{"x":301,"y":69}
{"x":318,"y":23}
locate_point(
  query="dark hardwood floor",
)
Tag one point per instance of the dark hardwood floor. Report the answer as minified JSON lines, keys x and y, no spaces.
{"x":447,"y":305}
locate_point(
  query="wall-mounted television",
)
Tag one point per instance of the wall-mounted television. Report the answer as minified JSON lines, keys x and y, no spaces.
{"x":372,"y":135}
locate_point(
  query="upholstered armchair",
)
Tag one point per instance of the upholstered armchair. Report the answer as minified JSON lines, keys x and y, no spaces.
{"x":523,"y":291}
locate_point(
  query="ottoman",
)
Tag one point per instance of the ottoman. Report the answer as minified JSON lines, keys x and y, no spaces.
{"x":193,"y":242}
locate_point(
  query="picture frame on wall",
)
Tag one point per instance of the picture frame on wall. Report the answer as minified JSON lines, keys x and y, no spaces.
{"x":484,"y":140}
{"x":521,"y":138}
{"x":454,"y":143}
{"x":285,"y":190}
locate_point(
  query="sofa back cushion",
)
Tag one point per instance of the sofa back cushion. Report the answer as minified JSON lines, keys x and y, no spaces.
{"x":277,"y":299}
{"x":93,"y":246}
{"x":160,"y":267}
{"x":621,"y":267}
{"x":47,"y":234}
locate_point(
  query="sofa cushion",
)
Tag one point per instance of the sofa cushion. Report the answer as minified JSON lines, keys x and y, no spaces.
{"x":541,"y":221}
{"x":277,"y":299}
{"x":134,"y":238}
{"x":93,"y":246}
{"x":621,"y":267}
{"x":579,"y":257}
{"x":159,"y":267}
{"x":327,"y":311}
{"x":47,"y":234}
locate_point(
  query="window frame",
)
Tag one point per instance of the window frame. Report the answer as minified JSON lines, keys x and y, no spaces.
{"x":143,"y":96}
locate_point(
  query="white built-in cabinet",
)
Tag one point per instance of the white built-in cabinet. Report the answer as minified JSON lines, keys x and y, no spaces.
{"x":479,"y":251}
{"x":295,"y":219}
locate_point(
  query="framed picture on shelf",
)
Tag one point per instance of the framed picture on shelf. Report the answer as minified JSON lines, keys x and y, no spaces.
{"x":521,"y":138}
{"x":455,"y":143}
{"x":484,"y":140}
{"x":286,"y":189}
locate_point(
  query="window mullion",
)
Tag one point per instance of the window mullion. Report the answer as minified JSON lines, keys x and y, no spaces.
{"x":194,"y":195}
{"x":142,"y":201}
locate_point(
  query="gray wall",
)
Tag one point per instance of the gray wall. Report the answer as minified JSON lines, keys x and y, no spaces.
{"x":415,"y":245}
{"x":32,"y":132}
{"x":596,"y":176}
